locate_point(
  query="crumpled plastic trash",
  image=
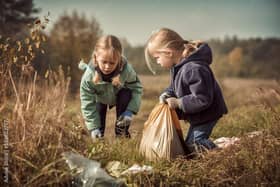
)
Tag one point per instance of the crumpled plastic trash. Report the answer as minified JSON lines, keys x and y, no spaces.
{"x":115,"y":168}
{"x":89,"y":172}
{"x":118,"y":169}
{"x":254,"y":133}
{"x":224,"y":142}
{"x":134,"y":169}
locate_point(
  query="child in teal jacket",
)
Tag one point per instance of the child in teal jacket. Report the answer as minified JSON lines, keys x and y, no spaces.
{"x":109,"y":81}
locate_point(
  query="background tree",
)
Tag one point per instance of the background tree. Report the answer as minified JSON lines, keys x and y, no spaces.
{"x":235,"y":58}
{"x":72,"y":38}
{"x":15,"y":15}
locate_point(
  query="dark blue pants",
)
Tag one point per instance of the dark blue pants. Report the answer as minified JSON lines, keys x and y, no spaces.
{"x":198,"y":136}
{"x":123,"y":98}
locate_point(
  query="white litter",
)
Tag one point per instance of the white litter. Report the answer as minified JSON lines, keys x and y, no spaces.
{"x":134,"y":169}
{"x":89,"y":172}
{"x":254,"y":133}
{"x":224,"y":142}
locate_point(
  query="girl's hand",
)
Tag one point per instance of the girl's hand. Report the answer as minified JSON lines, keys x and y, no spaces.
{"x":125,"y":119}
{"x":173,"y":102}
{"x":163,"y":97}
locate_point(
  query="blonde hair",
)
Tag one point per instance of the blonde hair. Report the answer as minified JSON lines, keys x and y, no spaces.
{"x":166,"y":38}
{"x":113,"y":45}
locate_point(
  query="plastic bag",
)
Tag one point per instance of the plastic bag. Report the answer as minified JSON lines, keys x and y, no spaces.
{"x":162,"y":135}
{"x":89,"y":172}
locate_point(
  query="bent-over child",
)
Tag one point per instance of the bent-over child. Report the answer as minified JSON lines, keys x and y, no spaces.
{"x":193,"y":92}
{"x":108,"y":81}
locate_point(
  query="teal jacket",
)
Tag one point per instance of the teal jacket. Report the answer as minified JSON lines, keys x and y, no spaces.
{"x":105,"y":92}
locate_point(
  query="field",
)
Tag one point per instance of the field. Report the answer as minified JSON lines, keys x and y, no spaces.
{"x":50,"y":123}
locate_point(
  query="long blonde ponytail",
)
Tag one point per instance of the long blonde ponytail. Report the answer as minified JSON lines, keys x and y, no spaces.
{"x":167,"y":38}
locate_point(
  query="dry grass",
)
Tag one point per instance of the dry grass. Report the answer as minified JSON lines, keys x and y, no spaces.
{"x":39,"y":132}
{"x":52,"y":124}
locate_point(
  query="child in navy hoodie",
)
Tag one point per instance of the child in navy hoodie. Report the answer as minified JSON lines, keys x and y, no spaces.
{"x":193,"y":92}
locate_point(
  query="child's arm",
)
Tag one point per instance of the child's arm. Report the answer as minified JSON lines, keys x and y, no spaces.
{"x":202,"y":91}
{"x":88,"y":103}
{"x":167,"y":93}
{"x":133,"y":83}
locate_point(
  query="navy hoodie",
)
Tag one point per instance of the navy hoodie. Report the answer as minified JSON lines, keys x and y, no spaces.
{"x":194,"y":83}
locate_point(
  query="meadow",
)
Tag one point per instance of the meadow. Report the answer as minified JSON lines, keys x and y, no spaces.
{"x":45,"y":121}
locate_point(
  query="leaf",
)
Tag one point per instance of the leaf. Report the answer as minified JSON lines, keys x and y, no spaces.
{"x":37,"y":44}
{"x":19,"y":45}
{"x":32,"y":34}
{"x":19,"y":48}
{"x":29,"y":48}
{"x":44,"y":38}
{"x":37,"y":22}
{"x":32,"y":55}
{"x":15,"y":59}
{"x":47,"y":74}
{"x":46,"y":19}
{"x":6,"y":47}
{"x":27,"y":40}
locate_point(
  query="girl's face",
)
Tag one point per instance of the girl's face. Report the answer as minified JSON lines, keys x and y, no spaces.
{"x":106,"y":63}
{"x":163,"y":58}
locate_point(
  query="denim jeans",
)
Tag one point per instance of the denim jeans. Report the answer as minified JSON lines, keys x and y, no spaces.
{"x":123,"y":98}
{"x":198,"y":136}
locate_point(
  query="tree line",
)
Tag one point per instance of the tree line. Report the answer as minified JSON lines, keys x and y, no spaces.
{"x":73,"y":36}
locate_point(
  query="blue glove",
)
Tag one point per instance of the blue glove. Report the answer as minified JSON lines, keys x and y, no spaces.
{"x":127,"y":114}
{"x":125,"y":119}
{"x":95,"y":134}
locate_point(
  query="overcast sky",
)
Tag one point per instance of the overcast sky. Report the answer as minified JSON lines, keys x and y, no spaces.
{"x":192,"y":19}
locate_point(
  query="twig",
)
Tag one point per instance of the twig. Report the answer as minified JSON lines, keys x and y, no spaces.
{"x":32,"y":89}
{"x":26,"y":161}
{"x":14,"y":86}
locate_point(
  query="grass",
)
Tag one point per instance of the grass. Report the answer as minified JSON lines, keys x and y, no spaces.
{"x":53,"y":124}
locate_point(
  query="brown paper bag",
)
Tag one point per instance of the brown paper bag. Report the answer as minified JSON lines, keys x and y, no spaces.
{"x":162,"y":135}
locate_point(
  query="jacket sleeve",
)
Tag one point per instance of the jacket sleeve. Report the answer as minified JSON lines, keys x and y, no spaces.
{"x":133,"y":83}
{"x":202,"y":91}
{"x":88,"y":103}
{"x":169,"y":91}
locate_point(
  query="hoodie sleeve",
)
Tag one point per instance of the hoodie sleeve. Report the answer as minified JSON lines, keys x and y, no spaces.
{"x":169,"y":91}
{"x":202,"y":88}
{"x":88,"y":102}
